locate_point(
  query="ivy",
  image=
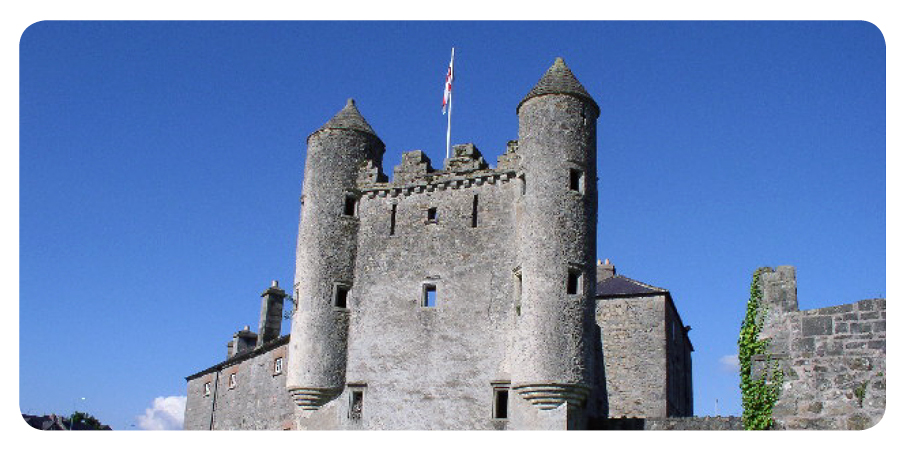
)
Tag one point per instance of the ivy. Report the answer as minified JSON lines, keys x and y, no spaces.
{"x":758,"y":394}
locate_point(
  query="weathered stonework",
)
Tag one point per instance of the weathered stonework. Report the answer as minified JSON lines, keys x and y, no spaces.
{"x":462,"y":297}
{"x":833,"y":359}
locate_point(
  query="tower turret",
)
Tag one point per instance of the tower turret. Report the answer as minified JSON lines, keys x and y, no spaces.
{"x":325,"y":255}
{"x":557,"y":219}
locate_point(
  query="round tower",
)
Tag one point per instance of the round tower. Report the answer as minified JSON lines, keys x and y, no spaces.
{"x":325,"y":255}
{"x":556,"y":232}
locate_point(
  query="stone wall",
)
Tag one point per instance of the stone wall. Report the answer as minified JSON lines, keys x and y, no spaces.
{"x":257,"y":401}
{"x":716,"y":423}
{"x":833,"y":359}
{"x":634,"y":354}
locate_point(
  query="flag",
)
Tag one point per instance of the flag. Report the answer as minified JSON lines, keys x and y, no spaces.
{"x":447,"y":88}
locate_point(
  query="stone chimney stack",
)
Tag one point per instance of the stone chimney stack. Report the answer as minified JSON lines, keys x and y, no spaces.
{"x":243,"y":341}
{"x":271,"y":313}
{"x":605,"y":270}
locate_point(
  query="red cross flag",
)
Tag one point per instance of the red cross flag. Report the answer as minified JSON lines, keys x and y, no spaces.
{"x":447,"y":88}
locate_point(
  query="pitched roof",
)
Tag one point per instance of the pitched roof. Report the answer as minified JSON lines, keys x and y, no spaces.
{"x":620,"y":286}
{"x":349,"y":118}
{"x":559,"y":80}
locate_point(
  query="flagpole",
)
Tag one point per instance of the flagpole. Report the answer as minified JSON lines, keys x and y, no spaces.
{"x":449,"y":111}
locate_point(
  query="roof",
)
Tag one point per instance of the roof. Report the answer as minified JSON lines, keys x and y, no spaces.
{"x":559,"y":80}
{"x":620,"y":286}
{"x":349,"y":118}
{"x":266,"y":347}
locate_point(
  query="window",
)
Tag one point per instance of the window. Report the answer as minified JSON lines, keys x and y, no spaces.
{"x":432,"y":214}
{"x":573,"y":283}
{"x":341,"y":295}
{"x":500,"y":399}
{"x":518,"y":292}
{"x":393,"y":220}
{"x":474,"y":212}
{"x":501,"y":403}
{"x":207,"y":389}
{"x":350,"y":207}
{"x":232,"y":380}
{"x":576,"y":180}
{"x":523,"y":185}
{"x":278,"y":366}
{"x":356,"y":404}
{"x":429,"y":296}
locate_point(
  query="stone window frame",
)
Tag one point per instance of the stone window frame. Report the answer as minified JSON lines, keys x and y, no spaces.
{"x":499,"y":387}
{"x":339,"y":286}
{"x":517,"y":289}
{"x":206,"y":390}
{"x":278,"y":365}
{"x":432,"y":211}
{"x":356,"y":391}
{"x":577,"y":271}
{"x":354,"y":198}
{"x":577,"y":180}
{"x":428,"y":286}
{"x":231,"y":381}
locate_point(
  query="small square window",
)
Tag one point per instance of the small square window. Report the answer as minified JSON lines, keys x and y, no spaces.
{"x":501,"y":403}
{"x":278,"y":366}
{"x":429,"y":296}
{"x":576,"y":180}
{"x":356,"y":404}
{"x":232,"y":381}
{"x":207,"y":389}
{"x":341,"y":296}
{"x":573,"y":283}
{"x":350,"y":207}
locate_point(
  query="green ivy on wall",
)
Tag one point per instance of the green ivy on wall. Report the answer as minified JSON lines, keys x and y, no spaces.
{"x":758,"y":394}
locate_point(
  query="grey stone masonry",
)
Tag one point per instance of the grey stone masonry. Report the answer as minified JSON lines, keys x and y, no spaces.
{"x":833,"y":359}
{"x":459,"y":297}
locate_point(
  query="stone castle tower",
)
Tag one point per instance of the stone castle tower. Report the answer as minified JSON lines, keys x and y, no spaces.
{"x":387,"y":273}
{"x":456,"y":298}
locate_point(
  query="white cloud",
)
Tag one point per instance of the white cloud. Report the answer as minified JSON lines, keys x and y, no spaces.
{"x":729,"y":363}
{"x":166,"y":413}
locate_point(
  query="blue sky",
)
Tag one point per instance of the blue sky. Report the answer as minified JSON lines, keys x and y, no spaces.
{"x":161,"y":165}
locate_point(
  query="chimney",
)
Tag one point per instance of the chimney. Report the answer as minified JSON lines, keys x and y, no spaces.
{"x":605,"y":270}
{"x":271,"y":313}
{"x":243,"y":341}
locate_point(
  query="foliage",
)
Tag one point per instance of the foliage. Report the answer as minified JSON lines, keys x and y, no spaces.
{"x":758,"y":394}
{"x":87,"y":421}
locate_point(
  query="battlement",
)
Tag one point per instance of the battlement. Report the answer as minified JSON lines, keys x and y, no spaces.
{"x":416,"y":174}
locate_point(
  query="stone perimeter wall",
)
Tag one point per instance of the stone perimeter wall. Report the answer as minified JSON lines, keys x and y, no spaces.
{"x":833,"y":359}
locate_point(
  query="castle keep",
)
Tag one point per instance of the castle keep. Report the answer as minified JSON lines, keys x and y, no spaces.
{"x":466,"y":297}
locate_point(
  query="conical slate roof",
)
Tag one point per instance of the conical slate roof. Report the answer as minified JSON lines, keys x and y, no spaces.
{"x":349,"y":118}
{"x":559,"y":80}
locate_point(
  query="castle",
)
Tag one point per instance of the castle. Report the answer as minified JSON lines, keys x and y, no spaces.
{"x":471,"y":298}
{"x":461,"y":298}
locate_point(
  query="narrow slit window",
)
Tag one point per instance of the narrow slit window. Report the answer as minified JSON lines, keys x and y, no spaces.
{"x":232,"y":381}
{"x":393,"y":220}
{"x":429,"y":296}
{"x":341,"y":296}
{"x":207,"y":389}
{"x":523,"y":185}
{"x":573,"y":283}
{"x":474,"y":212}
{"x":278,"y":366}
{"x":576,"y":180}
{"x":432,"y":214}
{"x":518,"y":293}
{"x":501,"y":403}
{"x":356,"y":404}
{"x":350,"y":206}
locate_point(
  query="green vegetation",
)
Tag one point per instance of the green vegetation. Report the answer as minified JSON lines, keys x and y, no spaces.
{"x":758,"y":394}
